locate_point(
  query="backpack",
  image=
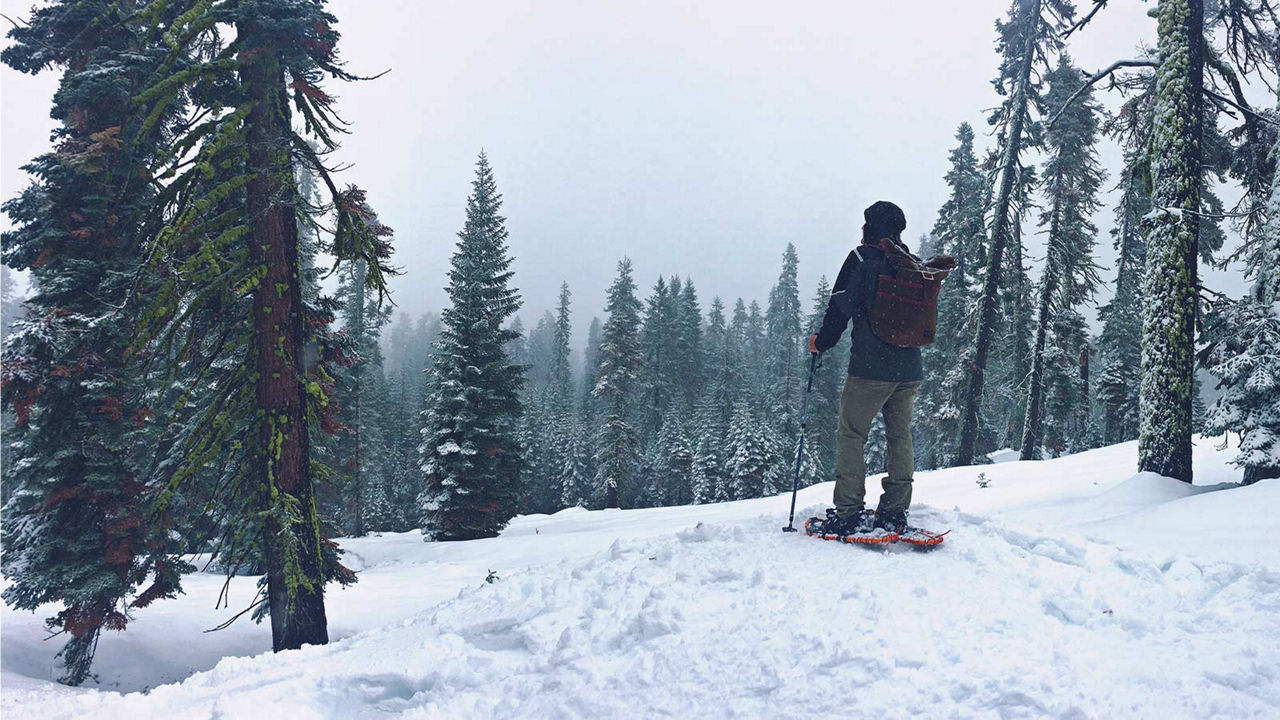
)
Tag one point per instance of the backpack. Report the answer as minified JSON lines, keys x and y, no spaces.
{"x":904,"y":309}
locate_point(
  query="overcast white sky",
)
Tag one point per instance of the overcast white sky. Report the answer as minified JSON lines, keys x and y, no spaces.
{"x":696,"y":138}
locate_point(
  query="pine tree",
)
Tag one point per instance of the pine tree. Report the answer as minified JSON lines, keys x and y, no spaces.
{"x":689,"y":361}
{"x":590,"y":366}
{"x":656,"y":375}
{"x":786,"y":346}
{"x":11,"y":311}
{"x":708,"y":472}
{"x":540,"y":474}
{"x":1071,"y":179}
{"x":232,"y":307}
{"x":753,"y":357}
{"x":650,"y":480}
{"x":824,"y":402}
{"x":1026,"y":37}
{"x":728,"y":364}
{"x":1246,"y":355}
{"x":380,"y":499}
{"x":79,"y":529}
{"x":576,"y":475}
{"x":361,"y":391}
{"x":750,"y":462}
{"x":1009,"y":370}
{"x":538,"y":349}
{"x":470,"y":451}
{"x":671,"y":470}
{"x":408,"y":356}
{"x":560,"y":375}
{"x":715,"y":408}
{"x":549,"y":414}
{"x":517,"y":345}
{"x":620,"y":361}
{"x":1168,"y":289}
{"x":11,"y":308}
{"x":877,"y":446}
{"x":1120,"y":343}
{"x":960,"y":232}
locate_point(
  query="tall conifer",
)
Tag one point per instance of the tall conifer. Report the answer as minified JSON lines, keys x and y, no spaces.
{"x":620,"y":361}
{"x":79,"y":529}
{"x":471,"y":455}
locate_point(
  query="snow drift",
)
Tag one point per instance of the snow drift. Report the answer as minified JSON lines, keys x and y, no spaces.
{"x":1068,"y":589}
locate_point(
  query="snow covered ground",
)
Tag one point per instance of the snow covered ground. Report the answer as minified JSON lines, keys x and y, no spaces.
{"x":1070,"y":588}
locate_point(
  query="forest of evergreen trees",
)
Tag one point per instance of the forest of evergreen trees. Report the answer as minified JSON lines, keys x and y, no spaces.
{"x":177,"y":380}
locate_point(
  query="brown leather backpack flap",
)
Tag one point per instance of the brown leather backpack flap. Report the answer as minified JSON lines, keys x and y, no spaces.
{"x":905,"y":311}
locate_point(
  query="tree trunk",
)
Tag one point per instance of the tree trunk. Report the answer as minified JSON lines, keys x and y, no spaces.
{"x":1001,"y":229}
{"x":1254,"y":474}
{"x":295,"y":579}
{"x":1169,"y":285}
{"x":1085,"y":409}
{"x":611,"y":496}
{"x":1033,"y":428}
{"x":77,"y":654}
{"x":358,"y":478}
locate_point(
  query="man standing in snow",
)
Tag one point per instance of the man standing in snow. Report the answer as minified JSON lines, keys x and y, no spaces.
{"x":882,"y":378}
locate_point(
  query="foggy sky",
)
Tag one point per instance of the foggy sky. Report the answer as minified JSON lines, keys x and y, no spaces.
{"x":695,"y":138}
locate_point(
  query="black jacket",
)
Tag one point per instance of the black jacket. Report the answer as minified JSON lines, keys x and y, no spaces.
{"x":855,"y":289}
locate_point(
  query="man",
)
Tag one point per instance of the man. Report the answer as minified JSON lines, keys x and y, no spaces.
{"x":883,"y":378}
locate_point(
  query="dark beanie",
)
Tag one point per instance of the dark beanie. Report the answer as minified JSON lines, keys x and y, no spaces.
{"x":884,"y":220}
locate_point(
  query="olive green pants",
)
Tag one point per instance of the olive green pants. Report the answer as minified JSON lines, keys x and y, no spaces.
{"x":860,"y":402}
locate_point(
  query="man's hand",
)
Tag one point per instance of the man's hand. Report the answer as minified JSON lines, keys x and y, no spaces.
{"x":813,"y":344}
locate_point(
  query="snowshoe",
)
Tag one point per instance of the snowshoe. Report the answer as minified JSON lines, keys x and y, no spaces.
{"x":858,"y":529}
{"x":896,"y":523}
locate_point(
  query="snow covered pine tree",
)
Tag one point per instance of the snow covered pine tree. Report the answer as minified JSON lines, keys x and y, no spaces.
{"x":1028,"y":36}
{"x":470,"y":452}
{"x":80,"y":528}
{"x":1246,"y":354}
{"x":618,"y":367}
{"x":1071,"y":178}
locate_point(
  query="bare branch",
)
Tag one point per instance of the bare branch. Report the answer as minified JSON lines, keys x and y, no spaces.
{"x":1242,"y":108}
{"x":14,"y":22}
{"x":258,"y":600}
{"x":1233,"y":81}
{"x":1098,"y":77}
{"x":1097,"y":5}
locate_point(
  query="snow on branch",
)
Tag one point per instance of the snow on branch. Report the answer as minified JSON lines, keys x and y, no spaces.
{"x":1159,"y":212}
{"x":1098,"y":77}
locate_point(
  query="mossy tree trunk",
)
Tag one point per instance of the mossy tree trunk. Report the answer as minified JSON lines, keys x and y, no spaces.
{"x":295,"y":581}
{"x":1169,"y":284}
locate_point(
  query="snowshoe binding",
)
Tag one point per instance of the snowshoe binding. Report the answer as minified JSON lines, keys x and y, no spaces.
{"x":896,"y":523}
{"x":858,"y":528}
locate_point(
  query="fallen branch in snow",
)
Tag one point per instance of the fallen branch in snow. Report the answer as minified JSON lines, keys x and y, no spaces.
{"x":1095,"y":78}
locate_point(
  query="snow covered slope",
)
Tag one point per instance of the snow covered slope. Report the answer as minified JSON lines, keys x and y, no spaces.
{"x":1068,"y":589}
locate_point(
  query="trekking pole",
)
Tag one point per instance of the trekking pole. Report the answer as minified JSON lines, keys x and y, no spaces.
{"x":804,"y":424}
